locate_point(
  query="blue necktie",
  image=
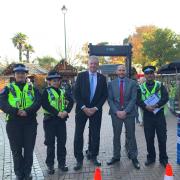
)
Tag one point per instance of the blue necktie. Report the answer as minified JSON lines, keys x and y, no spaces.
{"x":91,"y":87}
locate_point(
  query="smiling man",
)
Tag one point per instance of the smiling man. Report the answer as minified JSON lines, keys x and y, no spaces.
{"x":90,"y":95}
{"x":153,"y":115}
{"x":122,"y":93}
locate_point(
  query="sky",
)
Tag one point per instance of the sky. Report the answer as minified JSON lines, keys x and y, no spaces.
{"x":86,"y":21}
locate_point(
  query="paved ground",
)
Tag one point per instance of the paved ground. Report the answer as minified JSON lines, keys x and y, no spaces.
{"x":123,"y":170}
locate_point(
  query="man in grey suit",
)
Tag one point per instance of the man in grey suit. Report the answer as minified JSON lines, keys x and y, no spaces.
{"x":122,"y":93}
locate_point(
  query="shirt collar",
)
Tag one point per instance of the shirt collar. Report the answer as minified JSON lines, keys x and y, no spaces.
{"x":90,"y":73}
{"x":122,"y":79}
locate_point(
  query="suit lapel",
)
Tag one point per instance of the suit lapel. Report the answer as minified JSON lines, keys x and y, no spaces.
{"x":87,"y":83}
{"x":116,"y":84}
{"x":126,"y":85}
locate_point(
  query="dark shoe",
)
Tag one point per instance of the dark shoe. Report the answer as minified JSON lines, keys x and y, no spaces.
{"x":149,"y":162}
{"x":63,"y":168}
{"x":113,"y":161}
{"x":78,"y":166}
{"x":51,"y":170}
{"x":96,"y":162}
{"x":164,"y":162}
{"x":19,"y":177}
{"x":88,"y":155}
{"x":28,"y":177}
{"x":136,"y":163}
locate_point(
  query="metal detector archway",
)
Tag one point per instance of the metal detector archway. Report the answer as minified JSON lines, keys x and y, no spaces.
{"x":113,"y":50}
{"x":110,"y":50}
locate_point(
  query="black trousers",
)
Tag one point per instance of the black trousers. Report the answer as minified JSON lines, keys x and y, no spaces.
{"x":155,"y":124}
{"x":55,"y":128}
{"x":22,"y":135}
{"x":94,"y":128}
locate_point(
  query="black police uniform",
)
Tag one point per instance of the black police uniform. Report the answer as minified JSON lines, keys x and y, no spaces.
{"x":155,"y":123}
{"x":21,"y":132}
{"x":55,"y":127}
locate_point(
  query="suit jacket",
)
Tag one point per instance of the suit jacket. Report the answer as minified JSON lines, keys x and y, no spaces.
{"x":130,"y":95}
{"x":82,"y":91}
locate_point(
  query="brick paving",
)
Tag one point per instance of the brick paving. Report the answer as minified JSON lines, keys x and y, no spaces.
{"x":6,"y":161}
{"x":123,"y":170}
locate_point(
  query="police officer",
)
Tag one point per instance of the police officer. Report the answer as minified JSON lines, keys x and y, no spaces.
{"x":56,"y":104}
{"x":20,"y":101}
{"x":154,"y":121}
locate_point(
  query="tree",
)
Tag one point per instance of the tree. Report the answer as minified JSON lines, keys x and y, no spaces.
{"x":71,"y":55}
{"x":137,"y":40}
{"x":83,"y":54}
{"x":47,"y":62}
{"x":28,"y":49}
{"x":163,"y":46}
{"x":19,"y":40}
{"x":117,"y":60}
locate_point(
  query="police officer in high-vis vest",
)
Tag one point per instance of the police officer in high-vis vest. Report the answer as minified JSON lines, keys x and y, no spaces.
{"x":20,"y":101}
{"x":56,"y":104}
{"x":152,"y":97}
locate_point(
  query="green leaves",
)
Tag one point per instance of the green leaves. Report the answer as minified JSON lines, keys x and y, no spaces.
{"x":163,"y":46}
{"x":20,"y":42}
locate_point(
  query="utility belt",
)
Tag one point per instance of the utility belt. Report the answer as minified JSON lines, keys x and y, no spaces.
{"x":51,"y":117}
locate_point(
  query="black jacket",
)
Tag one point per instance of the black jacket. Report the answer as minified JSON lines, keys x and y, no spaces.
{"x":46,"y":105}
{"x":164,"y":98}
{"x":8,"y":109}
{"x":82,"y":91}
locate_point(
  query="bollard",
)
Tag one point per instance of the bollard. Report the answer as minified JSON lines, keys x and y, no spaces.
{"x":178,"y":139}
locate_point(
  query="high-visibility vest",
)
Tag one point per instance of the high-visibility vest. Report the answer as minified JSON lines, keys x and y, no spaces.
{"x":56,"y":100}
{"x":145,"y":93}
{"x":20,"y":99}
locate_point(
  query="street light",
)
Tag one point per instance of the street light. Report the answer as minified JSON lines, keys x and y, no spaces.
{"x":64,"y":10}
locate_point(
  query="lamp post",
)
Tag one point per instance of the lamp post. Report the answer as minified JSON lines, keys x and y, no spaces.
{"x":64,"y":10}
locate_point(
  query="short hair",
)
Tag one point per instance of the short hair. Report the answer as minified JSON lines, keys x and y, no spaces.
{"x":93,"y":58}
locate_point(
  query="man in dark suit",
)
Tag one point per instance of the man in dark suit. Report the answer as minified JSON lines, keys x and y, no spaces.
{"x":90,"y":94}
{"x":122,"y":93}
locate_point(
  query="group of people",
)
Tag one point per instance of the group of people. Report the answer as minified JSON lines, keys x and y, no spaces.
{"x":20,"y":100}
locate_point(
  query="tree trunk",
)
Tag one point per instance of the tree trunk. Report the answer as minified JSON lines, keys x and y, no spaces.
{"x":27,"y":56}
{"x":20,"y":52}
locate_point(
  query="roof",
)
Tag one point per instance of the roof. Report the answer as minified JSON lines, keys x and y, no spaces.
{"x":173,"y":67}
{"x":33,"y":69}
{"x":108,"y":68}
{"x":68,"y":70}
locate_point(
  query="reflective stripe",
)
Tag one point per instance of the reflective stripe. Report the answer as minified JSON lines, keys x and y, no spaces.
{"x":20,"y":99}
{"x":145,"y":92}
{"x":56,"y":100}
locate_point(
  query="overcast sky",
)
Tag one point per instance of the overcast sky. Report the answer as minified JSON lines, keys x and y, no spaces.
{"x":87,"y":21}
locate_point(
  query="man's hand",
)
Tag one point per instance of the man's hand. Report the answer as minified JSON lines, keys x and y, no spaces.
{"x":150,"y":108}
{"x":155,"y":106}
{"x":93,"y":110}
{"x":121,"y":114}
{"x":88,"y":111}
{"x":22,"y":113}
